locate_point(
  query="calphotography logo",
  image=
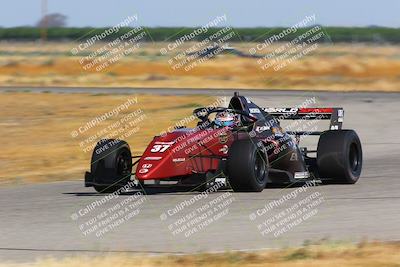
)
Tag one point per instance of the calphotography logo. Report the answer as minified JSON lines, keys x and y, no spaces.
{"x":112,"y":49}
{"x":280,"y":216}
{"x":286,"y":53}
{"x":107,"y":214}
{"x":195,"y":214}
{"x":193,"y":55}
{"x":217,"y":21}
{"x":119,"y":123}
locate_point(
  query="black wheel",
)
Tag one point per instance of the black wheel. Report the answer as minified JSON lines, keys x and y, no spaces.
{"x":247,"y":167}
{"x":111,"y":165}
{"x":339,"y":156}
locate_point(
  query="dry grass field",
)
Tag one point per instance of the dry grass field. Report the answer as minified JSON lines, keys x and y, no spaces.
{"x":344,"y":67}
{"x":36,"y":130}
{"x":331,"y":255}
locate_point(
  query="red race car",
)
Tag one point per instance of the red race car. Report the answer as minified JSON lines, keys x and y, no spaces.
{"x":243,"y":146}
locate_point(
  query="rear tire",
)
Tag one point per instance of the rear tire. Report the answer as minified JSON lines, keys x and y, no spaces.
{"x":339,"y":156}
{"x":247,"y":167}
{"x":111,"y":165}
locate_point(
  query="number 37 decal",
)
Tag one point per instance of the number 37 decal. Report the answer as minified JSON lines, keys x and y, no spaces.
{"x":159,"y":148}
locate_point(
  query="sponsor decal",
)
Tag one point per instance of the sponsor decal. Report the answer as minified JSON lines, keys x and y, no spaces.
{"x":178,"y":159}
{"x":340,"y":115}
{"x":301,"y":175}
{"x":223,"y":138}
{"x":220,"y":180}
{"x":147,"y":166}
{"x":260,"y":129}
{"x":254,"y":110}
{"x":278,"y":131}
{"x":281,"y":110}
{"x":316,"y":110}
{"x":224,"y":149}
{"x":152,"y":158}
{"x":159,"y":148}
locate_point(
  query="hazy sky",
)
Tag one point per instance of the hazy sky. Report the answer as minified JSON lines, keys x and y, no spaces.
{"x":246,"y":13}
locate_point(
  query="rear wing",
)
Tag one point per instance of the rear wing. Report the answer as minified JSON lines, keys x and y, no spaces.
{"x":335,"y":115}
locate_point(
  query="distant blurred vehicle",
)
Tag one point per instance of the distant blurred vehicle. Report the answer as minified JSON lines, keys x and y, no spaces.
{"x":213,"y":50}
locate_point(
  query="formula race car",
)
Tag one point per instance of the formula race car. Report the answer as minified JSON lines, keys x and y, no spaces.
{"x":242,"y":145}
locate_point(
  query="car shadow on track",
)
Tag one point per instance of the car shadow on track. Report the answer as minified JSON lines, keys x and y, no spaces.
{"x":171,"y":190}
{"x":147,"y":191}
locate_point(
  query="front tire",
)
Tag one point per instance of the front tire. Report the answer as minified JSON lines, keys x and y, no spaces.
{"x":111,"y":165}
{"x":339,"y":156}
{"x":247,"y":167}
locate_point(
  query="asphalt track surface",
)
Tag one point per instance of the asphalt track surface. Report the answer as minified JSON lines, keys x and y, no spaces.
{"x":36,"y":219}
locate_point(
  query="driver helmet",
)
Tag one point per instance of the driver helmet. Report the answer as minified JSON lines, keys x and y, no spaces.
{"x":225,"y":118}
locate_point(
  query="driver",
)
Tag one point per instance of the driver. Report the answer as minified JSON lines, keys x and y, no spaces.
{"x":226,"y":119}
